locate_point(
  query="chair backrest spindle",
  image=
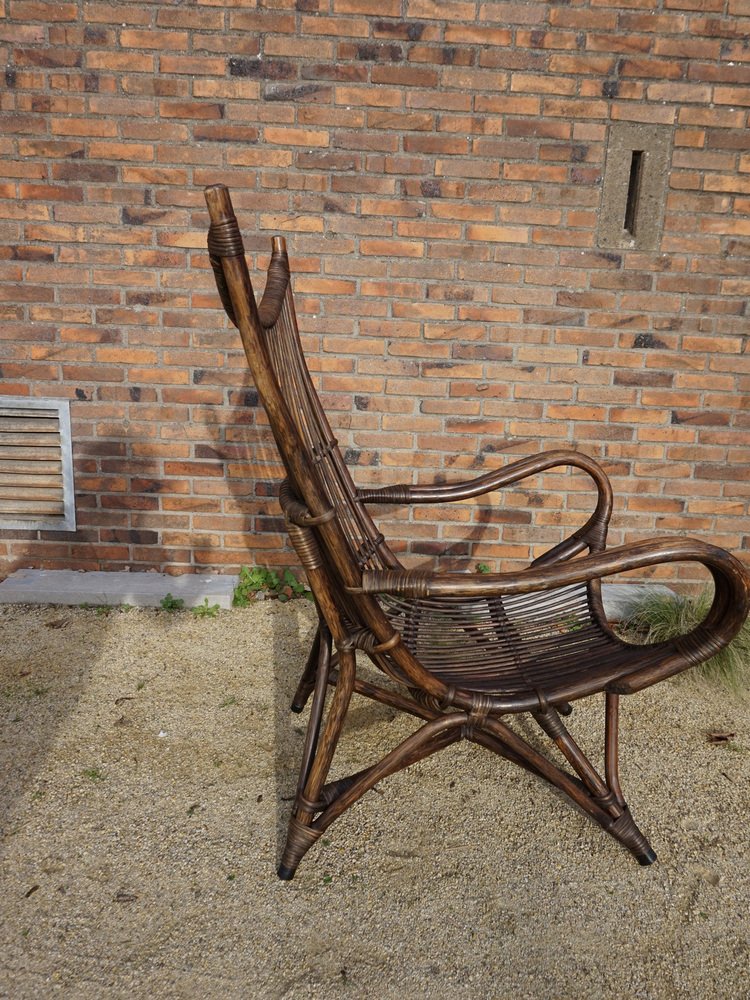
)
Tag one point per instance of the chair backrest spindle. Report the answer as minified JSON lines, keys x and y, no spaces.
{"x":274,"y":351}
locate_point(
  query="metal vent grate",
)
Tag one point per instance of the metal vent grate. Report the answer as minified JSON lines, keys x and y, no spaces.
{"x":36,"y":468}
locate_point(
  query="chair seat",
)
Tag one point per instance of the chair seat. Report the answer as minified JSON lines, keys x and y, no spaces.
{"x":513,"y":645}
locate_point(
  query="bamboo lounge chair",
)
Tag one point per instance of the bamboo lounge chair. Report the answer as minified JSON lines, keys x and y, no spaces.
{"x":460,"y":651}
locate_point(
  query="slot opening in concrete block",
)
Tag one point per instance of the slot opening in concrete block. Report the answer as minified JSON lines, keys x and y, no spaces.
{"x":636,"y":179}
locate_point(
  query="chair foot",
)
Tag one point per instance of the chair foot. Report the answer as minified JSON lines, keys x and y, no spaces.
{"x":300,"y":700}
{"x":647,"y":858}
{"x":305,"y":688}
{"x":625,"y":830}
{"x":299,"y":840}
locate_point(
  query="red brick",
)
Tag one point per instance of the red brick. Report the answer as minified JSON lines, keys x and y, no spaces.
{"x":513,"y":13}
{"x":473,"y":34}
{"x":190,"y":109}
{"x":192,"y":65}
{"x":527,"y":83}
{"x":296,"y":136}
{"x":732,"y":95}
{"x":350,"y":27}
{"x":452,"y":10}
{"x":381,"y":97}
{"x":680,"y":93}
{"x":582,"y":66}
{"x":133,"y":38}
{"x":497,"y":234}
{"x":130,"y":62}
{"x":663,"y":115}
{"x":380,"y":8}
{"x":36,"y":10}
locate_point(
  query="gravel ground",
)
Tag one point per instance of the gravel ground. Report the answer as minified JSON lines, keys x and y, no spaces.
{"x":147,"y":764}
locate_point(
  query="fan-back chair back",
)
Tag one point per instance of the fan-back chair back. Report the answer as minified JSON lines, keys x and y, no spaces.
{"x":464,"y":650}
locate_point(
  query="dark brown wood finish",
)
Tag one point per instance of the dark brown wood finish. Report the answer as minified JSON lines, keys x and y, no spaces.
{"x":459,"y":651}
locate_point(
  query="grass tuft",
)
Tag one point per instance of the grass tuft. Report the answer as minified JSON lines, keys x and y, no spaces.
{"x":660,"y":617}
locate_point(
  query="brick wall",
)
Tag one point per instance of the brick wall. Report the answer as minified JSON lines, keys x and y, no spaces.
{"x":437,"y":170}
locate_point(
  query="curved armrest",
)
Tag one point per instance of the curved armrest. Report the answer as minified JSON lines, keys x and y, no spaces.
{"x":725,"y":617}
{"x":592,"y":535}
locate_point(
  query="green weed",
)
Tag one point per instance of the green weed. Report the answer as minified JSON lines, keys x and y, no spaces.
{"x":171,"y":604}
{"x":93,"y":774}
{"x":205,"y":610}
{"x":258,"y":580}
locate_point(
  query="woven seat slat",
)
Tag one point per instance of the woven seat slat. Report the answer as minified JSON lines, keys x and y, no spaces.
{"x":551,"y":648}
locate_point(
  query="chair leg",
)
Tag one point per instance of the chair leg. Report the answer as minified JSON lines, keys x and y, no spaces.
{"x":336,"y":797}
{"x":606,"y":793}
{"x":322,"y":680}
{"x":611,"y":748}
{"x":427,"y":740}
{"x":317,"y":762}
{"x":307,"y":681}
{"x":644,"y":853}
{"x":601,"y":799}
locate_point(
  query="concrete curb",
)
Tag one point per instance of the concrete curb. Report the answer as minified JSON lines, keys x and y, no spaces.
{"x":142,"y":590}
{"x":147,"y":590}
